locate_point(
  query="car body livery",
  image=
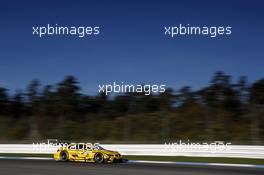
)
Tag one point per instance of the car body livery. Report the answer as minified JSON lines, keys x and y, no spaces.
{"x":86,"y":152}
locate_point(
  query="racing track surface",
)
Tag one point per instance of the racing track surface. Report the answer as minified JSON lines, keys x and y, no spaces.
{"x":49,"y":167}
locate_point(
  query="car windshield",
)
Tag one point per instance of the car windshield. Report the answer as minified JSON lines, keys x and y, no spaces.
{"x":97,"y":147}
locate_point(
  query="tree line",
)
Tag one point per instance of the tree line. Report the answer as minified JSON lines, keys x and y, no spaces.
{"x":223,"y":110}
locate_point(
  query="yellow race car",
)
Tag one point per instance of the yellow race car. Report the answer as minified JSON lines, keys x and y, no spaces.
{"x":87,"y":152}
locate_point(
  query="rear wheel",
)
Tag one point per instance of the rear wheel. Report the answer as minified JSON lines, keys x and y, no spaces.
{"x":98,"y":158}
{"x":63,"y":156}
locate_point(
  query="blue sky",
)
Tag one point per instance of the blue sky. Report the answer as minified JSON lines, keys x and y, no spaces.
{"x":131,"y":46}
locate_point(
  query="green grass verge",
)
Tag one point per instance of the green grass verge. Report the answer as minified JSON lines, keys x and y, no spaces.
{"x":166,"y":158}
{"x":199,"y":159}
{"x":25,"y":155}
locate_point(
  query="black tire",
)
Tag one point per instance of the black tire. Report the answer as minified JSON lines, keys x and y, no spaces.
{"x":99,"y":158}
{"x":63,"y":156}
{"x":123,"y":160}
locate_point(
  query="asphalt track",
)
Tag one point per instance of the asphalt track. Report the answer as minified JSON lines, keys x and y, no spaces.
{"x":49,"y":167}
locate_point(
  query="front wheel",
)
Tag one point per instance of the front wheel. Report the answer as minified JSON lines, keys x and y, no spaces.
{"x":98,"y":158}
